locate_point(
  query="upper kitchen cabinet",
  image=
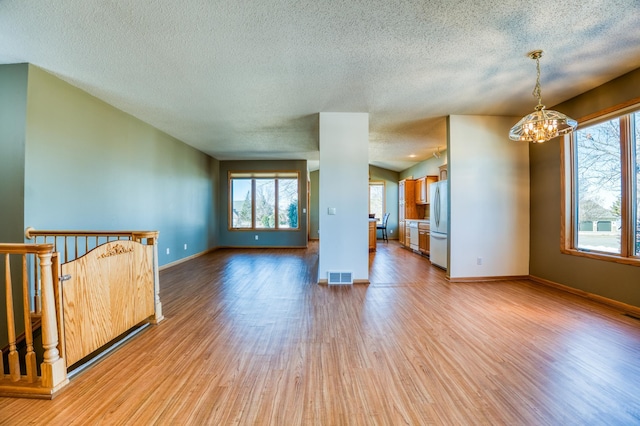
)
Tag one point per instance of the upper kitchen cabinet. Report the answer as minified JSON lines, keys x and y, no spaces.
{"x":422,"y":189}
{"x":407,"y":206}
{"x":406,"y":199}
{"x":444,"y":172}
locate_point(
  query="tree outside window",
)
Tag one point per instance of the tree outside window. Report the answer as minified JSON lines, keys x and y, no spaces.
{"x":241,"y":196}
{"x":288,"y":203}
{"x":602,"y":217}
{"x":376,"y":199}
{"x":599,"y":186}
{"x":264,"y":200}
{"x":265,"y":203}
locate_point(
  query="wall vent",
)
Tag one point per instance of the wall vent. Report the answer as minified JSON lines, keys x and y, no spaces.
{"x":340,"y":277}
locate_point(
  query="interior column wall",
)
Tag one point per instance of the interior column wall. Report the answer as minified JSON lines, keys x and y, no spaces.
{"x":344,"y":188}
{"x":489,"y":198}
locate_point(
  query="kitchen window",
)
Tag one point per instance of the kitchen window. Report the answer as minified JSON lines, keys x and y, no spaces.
{"x":263,"y":200}
{"x":376,"y":199}
{"x":601,"y":206}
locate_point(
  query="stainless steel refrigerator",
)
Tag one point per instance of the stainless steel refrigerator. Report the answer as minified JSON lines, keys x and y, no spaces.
{"x":438,"y":209}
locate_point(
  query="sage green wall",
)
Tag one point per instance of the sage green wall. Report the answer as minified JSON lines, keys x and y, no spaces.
{"x":390,"y":179}
{"x":314,"y":205}
{"x":428,"y":167}
{"x":92,"y":166}
{"x":266,"y":238}
{"x":13,"y":105}
{"x":608,"y":279}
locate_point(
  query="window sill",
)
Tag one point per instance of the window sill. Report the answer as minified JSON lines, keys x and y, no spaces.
{"x":634,"y":261}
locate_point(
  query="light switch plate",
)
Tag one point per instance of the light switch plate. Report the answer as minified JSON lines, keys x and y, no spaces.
{"x":332,"y":210}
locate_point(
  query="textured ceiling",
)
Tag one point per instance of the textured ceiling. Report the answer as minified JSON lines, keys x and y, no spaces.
{"x":245,"y":79}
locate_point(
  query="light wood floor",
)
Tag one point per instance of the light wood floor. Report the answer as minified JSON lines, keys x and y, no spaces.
{"x":251,"y":339}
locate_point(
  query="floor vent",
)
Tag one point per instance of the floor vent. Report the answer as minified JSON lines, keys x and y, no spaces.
{"x":340,"y":278}
{"x":632,"y":316}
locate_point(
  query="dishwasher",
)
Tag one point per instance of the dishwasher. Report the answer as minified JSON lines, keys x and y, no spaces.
{"x":414,"y":236}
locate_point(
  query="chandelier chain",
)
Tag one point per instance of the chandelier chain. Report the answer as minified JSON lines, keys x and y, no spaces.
{"x":537,"y":90}
{"x":542,"y":124}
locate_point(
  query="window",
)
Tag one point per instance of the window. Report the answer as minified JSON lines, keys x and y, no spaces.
{"x":376,"y":199}
{"x":602,"y":174}
{"x":263,"y":200}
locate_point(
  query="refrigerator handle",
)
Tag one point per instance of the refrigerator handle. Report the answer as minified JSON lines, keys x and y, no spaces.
{"x":437,"y":206}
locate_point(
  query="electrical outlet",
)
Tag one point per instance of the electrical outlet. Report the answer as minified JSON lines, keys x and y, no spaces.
{"x":256,"y":238}
{"x":168,"y":250}
{"x":391,"y":231}
{"x":479,"y":261}
{"x":185,"y":246}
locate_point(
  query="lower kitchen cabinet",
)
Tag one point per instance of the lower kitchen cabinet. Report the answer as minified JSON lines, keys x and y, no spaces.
{"x":423,"y":238}
{"x":372,"y":234}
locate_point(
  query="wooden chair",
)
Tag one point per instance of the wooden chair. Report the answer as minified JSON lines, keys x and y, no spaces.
{"x":383,"y":227}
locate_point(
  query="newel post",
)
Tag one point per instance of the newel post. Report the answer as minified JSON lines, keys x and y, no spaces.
{"x":152,"y":240}
{"x":54,"y":370}
{"x":156,"y":280}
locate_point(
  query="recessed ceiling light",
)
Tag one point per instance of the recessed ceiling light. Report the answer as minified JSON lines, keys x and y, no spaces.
{"x":412,"y":155}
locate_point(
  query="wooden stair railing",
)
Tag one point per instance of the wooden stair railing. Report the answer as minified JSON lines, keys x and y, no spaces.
{"x":53,"y":372}
{"x":112,"y":258}
{"x":74,"y":244}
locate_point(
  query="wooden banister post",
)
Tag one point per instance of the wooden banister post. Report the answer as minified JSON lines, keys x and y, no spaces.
{"x":13,"y":357}
{"x":156,"y":281}
{"x":57,"y":295}
{"x":152,"y":240}
{"x":54,"y":370}
{"x":30,"y":356}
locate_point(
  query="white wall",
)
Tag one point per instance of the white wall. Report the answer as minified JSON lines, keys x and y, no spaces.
{"x":344,"y":185}
{"x":489,"y":198}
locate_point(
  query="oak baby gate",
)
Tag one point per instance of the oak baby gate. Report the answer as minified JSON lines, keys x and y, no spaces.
{"x":99,"y":285}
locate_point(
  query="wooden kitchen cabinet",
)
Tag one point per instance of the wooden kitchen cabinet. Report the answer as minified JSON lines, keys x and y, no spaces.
{"x":406,"y":199}
{"x":372,"y":234}
{"x":444,"y":172}
{"x":422,"y":189}
{"x":407,"y":208}
{"x":423,"y":237}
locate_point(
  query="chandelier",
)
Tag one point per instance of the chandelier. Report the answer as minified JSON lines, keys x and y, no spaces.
{"x":541,"y":125}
